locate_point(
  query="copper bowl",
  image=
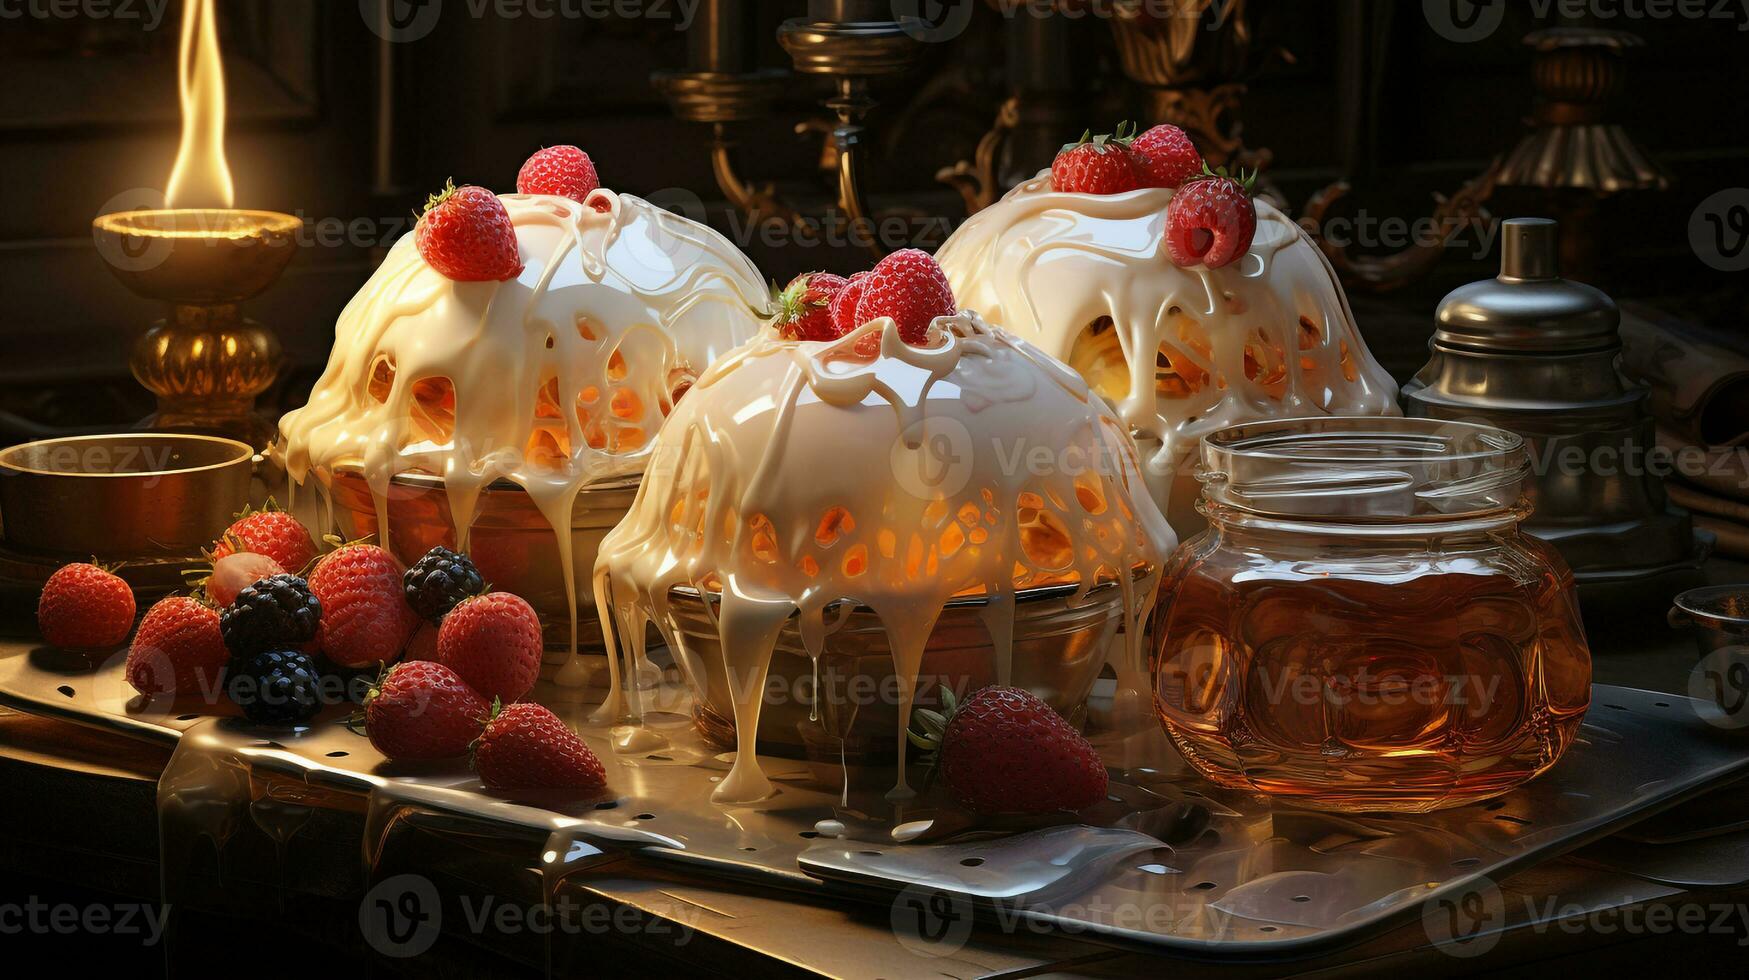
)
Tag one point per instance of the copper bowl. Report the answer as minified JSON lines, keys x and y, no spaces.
{"x":1059,"y":647}
{"x":511,"y":542}
{"x":127,"y":496}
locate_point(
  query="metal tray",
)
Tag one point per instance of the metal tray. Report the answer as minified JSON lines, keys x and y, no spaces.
{"x":1173,"y":861}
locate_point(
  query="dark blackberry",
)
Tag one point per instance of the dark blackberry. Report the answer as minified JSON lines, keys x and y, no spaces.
{"x":439,"y":582}
{"x":276,"y":686}
{"x":274,"y":613}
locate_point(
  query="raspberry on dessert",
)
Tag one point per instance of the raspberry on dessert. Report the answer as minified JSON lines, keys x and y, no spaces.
{"x":493,"y":642}
{"x":466,"y":234}
{"x":235,"y":571}
{"x":439,"y":580}
{"x":178,"y":649}
{"x":564,"y":171}
{"x":1095,"y":165}
{"x":842,"y":309}
{"x":1210,"y":220}
{"x":85,"y":607}
{"x":422,"y":710}
{"x":1003,"y":750}
{"x":271,"y":532}
{"x":804,"y":307}
{"x":527,"y":747}
{"x":276,"y":613}
{"x":365,"y":616}
{"x":911,"y":289}
{"x":1165,"y":156}
{"x":275,"y":687}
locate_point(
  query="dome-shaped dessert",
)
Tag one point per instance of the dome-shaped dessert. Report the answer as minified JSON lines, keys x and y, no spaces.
{"x":553,"y":380}
{"x":1180,"y":351}
{"x":800,"y":475}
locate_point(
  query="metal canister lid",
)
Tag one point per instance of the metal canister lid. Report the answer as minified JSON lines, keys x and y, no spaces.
{"x":1528,"y":308}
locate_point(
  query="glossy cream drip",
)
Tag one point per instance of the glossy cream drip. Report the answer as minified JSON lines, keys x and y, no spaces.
{"x":555,"y":380}
{"x":796,"y":475}
{"x":1269,"y":336}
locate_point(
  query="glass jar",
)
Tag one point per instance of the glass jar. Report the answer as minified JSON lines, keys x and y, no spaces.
{"x":1363,"y":626}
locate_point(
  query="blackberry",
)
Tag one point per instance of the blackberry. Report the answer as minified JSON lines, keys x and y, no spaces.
{"x":439,"y":582}
{"x":276,"y":686}
{"x":274,"y":613}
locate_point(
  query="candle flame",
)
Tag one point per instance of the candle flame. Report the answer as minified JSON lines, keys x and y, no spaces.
{"x":201,"y":177}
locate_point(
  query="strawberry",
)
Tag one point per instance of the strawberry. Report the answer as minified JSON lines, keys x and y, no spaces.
{"x":237,"y":571}
{"x":466,"y":234}
{"x":423,"y":645}
{"x":564,"y":171}
{"x":1095,"y":165}
{"x":178,"y":649}
{"x":527,"y":747}
{"x":494,"y":642}
{"x":842,"y":309}
{"x":422,"y":710}
{"x":1165,"y":156}
{"x":909,"y":287}
{"x":85,"y":607}
{"x":1005,"y":751}
{"x":1210,"y":220}
{"x":804,"y":307}
{"x":271,"y":532}
{"x":365,"y":616}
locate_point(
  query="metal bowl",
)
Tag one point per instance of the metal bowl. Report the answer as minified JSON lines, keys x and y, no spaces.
{"x":511,"y":541}
{"x":1059,"y":649}
{"x":127,"y":496}
{"x":1717,"y":614}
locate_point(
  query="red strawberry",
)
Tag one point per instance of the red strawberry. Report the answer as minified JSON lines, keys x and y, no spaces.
{"x":85,"y":607}
{"x":1165,"y":156}
{"x":1096,"y":165}
{"x":235,"y":572}
{"x":843,"y":306}
{"x":562,"y":170}
{"x":423,"y":645}
{"x":271,"y":532}
{"x":422,"y":710}
{"x":527,"y":747}
{"x":365,"y":616}
{"x":1210,"y":220}
{"x":466,"y":234}
{"x":909,"y":287}
{"x":178,"y":649}
{"x":493,"y":641}
{"x":1005,"y":751}
{"x":804,"y":307}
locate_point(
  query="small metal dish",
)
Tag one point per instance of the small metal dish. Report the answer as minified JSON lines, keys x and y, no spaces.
{"x":1718,"y":615}
{"x":1059,"y":648}
{"x":511,"y":541}
{"x":127,"y":496}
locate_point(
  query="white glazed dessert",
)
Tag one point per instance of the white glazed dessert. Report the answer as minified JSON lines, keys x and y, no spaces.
{"x":1180,"y":351}
{"x":555,"y":380}
{"x":797,"y":474}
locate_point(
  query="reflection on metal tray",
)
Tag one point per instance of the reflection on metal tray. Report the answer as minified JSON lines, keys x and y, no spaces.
{"x":1172,"y":862}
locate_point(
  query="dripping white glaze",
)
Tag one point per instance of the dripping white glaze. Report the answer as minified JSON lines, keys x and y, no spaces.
{"x":799,"y":474}
{"x":1270,"y":335}
{"x":555,"y":380}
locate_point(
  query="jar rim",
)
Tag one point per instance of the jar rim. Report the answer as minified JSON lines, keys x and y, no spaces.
{"x":1363,"y":468}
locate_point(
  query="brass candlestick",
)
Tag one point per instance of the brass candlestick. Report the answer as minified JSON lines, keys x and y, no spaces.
{"x":205,"y":361}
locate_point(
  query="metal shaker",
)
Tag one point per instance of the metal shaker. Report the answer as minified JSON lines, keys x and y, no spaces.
{"x":1537,"y":354}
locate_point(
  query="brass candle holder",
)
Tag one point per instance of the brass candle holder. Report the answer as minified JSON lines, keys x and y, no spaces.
{"x":205,"y":361}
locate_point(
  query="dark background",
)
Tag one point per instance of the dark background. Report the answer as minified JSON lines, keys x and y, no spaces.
{"x":1357,"y":89}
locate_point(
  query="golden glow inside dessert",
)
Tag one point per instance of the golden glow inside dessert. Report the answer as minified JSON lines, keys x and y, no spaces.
{"x":539,"y":338}
{"x":894,"y":474}
{"x":1146,"y":282}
